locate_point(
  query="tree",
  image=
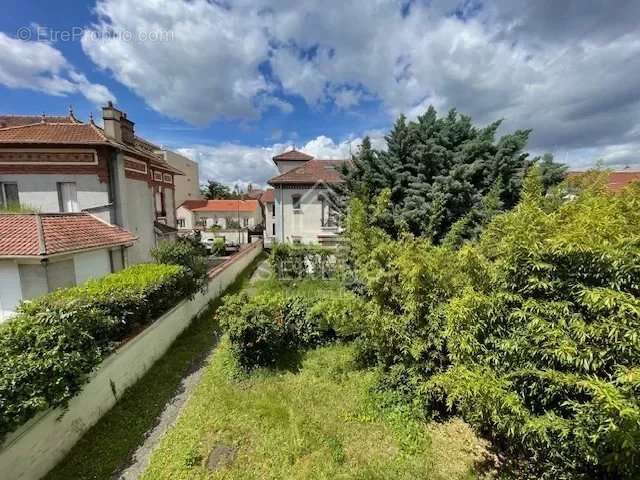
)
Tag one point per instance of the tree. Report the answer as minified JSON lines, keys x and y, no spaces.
{"x":439,"y":170}
{"x":215,"y":190}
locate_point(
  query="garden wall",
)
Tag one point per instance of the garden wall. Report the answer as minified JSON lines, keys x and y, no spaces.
{"x":31,"y":451}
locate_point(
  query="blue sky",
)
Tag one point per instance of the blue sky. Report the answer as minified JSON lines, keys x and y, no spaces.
{"x":231,"y":83}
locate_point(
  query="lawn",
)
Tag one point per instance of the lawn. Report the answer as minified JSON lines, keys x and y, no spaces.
{"x":319,"y":421}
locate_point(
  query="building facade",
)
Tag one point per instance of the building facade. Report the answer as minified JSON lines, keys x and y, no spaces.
{"x":303,"y":199}
{"x":186,"y":186}
{"x":62,"y":165}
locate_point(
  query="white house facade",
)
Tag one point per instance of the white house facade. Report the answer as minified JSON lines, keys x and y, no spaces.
{"x":303,"y":207}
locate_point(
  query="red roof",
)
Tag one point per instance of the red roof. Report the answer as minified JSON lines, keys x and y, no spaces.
{"x":44,"y":234}
{"x":64,"y":133}
{"x":269,"y":196}
{"x":617,"y":179}
{"x":313,"y":171}
{"x":221,"y":205}
{"x":21,"y":120}
{"x":293,"y":155}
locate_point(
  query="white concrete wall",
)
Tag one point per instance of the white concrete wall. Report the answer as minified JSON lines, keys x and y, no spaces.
{"x":40,"y":191}
{"x":230,"y":236}
{"x":188,"y":216}
{"x":304,"y":224}
{"x":94,"y":264}
{"x":10,"y":291}
{"x":140,"y":216}
{"x":269,"y":222}
{"x":34,"y":449}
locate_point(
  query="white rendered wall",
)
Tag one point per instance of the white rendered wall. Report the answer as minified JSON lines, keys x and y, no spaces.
{"x":94,"y":264}
{"x":305,"y":224}
{"x":187,"y":185}
{"x":10,"y":291}
{"x":140,"y":216}
{"x":40,"y":191}
{"x":35,"y":448}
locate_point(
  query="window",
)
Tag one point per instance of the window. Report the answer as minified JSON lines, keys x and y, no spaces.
{"x":273,"y":229}
{"x":160,"y":208}
{"x":328,"y":215}
{"x":273,"y":209}
{"x":296,"y":202}
{"x":9,"y":194}
{"x":180,"y":222}
{"x":246,"y":221}
{"x":68,"y":197}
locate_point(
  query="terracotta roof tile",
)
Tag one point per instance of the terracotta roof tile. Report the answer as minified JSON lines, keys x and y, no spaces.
{"x":44,"y":234}
{"x":617,"y":179}
{"x":21,"y":120}
{"x":61,"y":133}
{"x":269,"y":196}
{"x":293,"y":155}
{"x":313,"y":171}
{"x":221,"y":205}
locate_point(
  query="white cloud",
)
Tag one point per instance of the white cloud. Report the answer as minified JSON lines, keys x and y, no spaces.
{"x":234,"y":164}
{"x":566,"y":69}
{"x":39,"y":66}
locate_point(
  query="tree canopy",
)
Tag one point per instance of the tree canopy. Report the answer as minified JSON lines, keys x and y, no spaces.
{"x":213,"y":190}
{"x":441,"y":170}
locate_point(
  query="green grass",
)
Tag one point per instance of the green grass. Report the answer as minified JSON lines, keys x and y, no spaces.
{"x":322,"y":422}
{"x":108,"y":445}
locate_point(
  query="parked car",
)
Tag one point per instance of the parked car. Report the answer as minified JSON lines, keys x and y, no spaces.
{"x":232,"y":247}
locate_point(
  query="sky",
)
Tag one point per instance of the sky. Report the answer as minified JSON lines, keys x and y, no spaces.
{"x":233,"y":83}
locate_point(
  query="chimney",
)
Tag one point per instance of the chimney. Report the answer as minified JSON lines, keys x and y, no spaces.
{"x":112,"y":122}
{"x":126,"y":127}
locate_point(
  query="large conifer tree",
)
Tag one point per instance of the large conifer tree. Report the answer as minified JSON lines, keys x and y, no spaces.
{"x":439,"y":170}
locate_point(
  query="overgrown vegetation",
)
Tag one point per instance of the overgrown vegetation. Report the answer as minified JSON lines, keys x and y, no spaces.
{"x":316,"y":421}
{"x":302,"y":261}
{"x":530,"y":333}
{"x":48,"y":350}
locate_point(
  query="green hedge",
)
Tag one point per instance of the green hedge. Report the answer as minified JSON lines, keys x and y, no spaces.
{"x":49,"y":349}
{"x":302,"y":261}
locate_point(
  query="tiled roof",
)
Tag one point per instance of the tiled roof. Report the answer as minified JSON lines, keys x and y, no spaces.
{"x":221,"y":205}
{"x":293,"y":155}
{"x":45,"y":234}
{"x":32,"y":129}
{"x":21,"y":120}
{"x":617,"y":179}
{"x":255,"y":193}
{"x":163,"y":228}
{"x":269,"y":196}
{"x":313,"y":171}
{"x":54,"y":133}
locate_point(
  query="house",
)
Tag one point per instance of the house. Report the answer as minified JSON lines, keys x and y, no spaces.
{"x":229,"y":218}
{"x":62,"y":165}
{"x":40,"y":252}
{"x":304,"y":212}
{"x":268,"y":199}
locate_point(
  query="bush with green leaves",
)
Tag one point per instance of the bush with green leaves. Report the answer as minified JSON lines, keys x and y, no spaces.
{"x":302,"y":261}
{"x":532,"y":333}
{"x":50,"y":347}
{"x":188,"y":253}
{"x":266,"y":328}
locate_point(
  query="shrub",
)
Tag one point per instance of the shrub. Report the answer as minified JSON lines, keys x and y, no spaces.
{"x":188,"y":253}
{"x":268,"y":328}
{"x":531,"y":333}
{"x":48,"y":350}
{"x":301,"y":261}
